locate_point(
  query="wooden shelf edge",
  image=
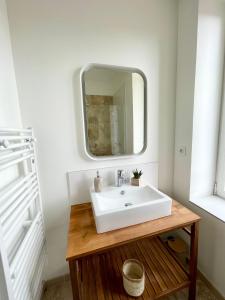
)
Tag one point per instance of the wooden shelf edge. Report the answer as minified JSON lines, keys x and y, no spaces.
{"x":119,"y":244}
{"x":83,"y":239}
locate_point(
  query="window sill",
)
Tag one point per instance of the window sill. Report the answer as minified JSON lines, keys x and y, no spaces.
{"x":213,"y":205}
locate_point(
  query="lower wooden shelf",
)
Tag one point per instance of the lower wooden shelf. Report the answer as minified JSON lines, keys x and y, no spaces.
{"x":100,"y":277}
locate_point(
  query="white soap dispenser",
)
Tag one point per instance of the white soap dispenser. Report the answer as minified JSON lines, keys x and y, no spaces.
{"x":98,"y":183}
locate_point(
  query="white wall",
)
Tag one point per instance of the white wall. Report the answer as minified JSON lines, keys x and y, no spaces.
{"x":194,"y":90}
{"x":186,"y":65}
{"x":9,"y":108}
{"x":52,"y":40}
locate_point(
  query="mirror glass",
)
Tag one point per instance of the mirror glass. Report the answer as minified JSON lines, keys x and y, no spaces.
{"x":114,"y":101}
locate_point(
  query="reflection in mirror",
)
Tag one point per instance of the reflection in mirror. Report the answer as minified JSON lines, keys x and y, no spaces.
{"x":114,"y":102}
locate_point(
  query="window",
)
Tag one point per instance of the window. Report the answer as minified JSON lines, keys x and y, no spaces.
{"x":220,"y":176}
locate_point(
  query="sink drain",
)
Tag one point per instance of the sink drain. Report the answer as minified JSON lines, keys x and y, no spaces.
{"x":128,"y":204}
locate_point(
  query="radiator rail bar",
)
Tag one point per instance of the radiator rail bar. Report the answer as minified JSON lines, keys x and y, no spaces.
{"x":22,"y":231}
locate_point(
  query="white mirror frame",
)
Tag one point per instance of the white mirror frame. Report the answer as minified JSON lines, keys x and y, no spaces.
{"x":84,"y":120}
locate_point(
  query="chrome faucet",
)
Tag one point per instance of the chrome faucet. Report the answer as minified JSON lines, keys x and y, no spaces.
{"x":119,"y":178}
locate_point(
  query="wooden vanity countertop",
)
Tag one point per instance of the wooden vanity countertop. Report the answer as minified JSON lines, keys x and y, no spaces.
{"x":84,"y":240}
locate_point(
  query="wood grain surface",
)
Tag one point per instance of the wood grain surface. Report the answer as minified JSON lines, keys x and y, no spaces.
{"x":100,"y":275}
{"x":84,"y":240}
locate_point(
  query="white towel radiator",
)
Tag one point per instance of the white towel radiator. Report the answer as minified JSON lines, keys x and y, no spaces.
{"x":22,"y":237}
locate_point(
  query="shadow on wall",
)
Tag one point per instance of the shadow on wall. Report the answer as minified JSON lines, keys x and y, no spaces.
{"x":78,"y":111}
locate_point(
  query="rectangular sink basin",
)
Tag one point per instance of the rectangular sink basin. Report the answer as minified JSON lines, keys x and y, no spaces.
{"x":118,"y":207}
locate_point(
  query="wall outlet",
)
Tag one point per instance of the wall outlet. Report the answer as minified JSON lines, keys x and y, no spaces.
{"x":182,"y":150}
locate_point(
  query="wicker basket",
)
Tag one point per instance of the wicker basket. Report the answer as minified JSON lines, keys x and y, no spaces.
{"x":133,"y":277}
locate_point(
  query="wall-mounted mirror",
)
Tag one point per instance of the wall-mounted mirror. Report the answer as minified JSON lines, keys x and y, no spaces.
{"x":114,"y":107}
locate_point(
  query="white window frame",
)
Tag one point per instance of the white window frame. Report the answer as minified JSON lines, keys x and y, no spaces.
{"x":220,"y":174}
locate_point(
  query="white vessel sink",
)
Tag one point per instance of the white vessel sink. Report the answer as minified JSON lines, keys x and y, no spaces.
{"x":118,"y":207}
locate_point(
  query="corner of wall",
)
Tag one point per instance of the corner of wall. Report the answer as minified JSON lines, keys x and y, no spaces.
{"x":186,"y":66}
{"x":10,"y":111}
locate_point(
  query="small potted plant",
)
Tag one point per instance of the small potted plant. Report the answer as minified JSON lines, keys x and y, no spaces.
{"x":136,"y":179}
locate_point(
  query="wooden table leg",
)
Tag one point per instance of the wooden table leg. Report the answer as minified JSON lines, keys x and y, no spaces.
{"x":193,"y":260}
{"x":74,"y":279}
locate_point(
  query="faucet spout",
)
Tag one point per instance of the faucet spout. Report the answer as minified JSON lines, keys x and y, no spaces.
{"x":119,"y":181}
